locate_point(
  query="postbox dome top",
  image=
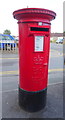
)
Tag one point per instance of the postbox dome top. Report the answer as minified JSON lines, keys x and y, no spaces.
{"x":29,"y":13}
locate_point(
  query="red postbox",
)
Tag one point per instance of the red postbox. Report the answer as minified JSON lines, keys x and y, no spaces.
{"x":34,"y":42}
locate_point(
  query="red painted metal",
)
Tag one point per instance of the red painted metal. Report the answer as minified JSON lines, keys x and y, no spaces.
{"x":33,"y":64}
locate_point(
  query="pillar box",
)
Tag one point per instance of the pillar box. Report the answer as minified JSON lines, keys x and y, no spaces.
{"x":34,"y":43}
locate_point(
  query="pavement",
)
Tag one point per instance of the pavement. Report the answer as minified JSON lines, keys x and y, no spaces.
{"x":9,"y":73}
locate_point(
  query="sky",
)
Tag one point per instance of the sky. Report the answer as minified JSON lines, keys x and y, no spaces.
{"x":7,"y":7}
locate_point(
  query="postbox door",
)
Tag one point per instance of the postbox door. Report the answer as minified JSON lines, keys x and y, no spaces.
{"x":38,"y":61}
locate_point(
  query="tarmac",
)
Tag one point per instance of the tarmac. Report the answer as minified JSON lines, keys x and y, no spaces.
{"x":55,"y":95}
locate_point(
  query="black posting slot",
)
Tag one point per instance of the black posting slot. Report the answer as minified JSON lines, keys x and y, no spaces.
{"x":39,"y":29}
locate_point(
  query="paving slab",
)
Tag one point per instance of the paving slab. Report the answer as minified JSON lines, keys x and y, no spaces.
{"x":53,"y":109}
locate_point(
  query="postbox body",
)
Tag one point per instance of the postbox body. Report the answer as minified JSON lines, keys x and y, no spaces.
{"x":34,"y":55}
{"x":34,"y":43}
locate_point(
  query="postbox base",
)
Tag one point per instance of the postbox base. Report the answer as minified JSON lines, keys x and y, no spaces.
{"x":32,"y":101}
